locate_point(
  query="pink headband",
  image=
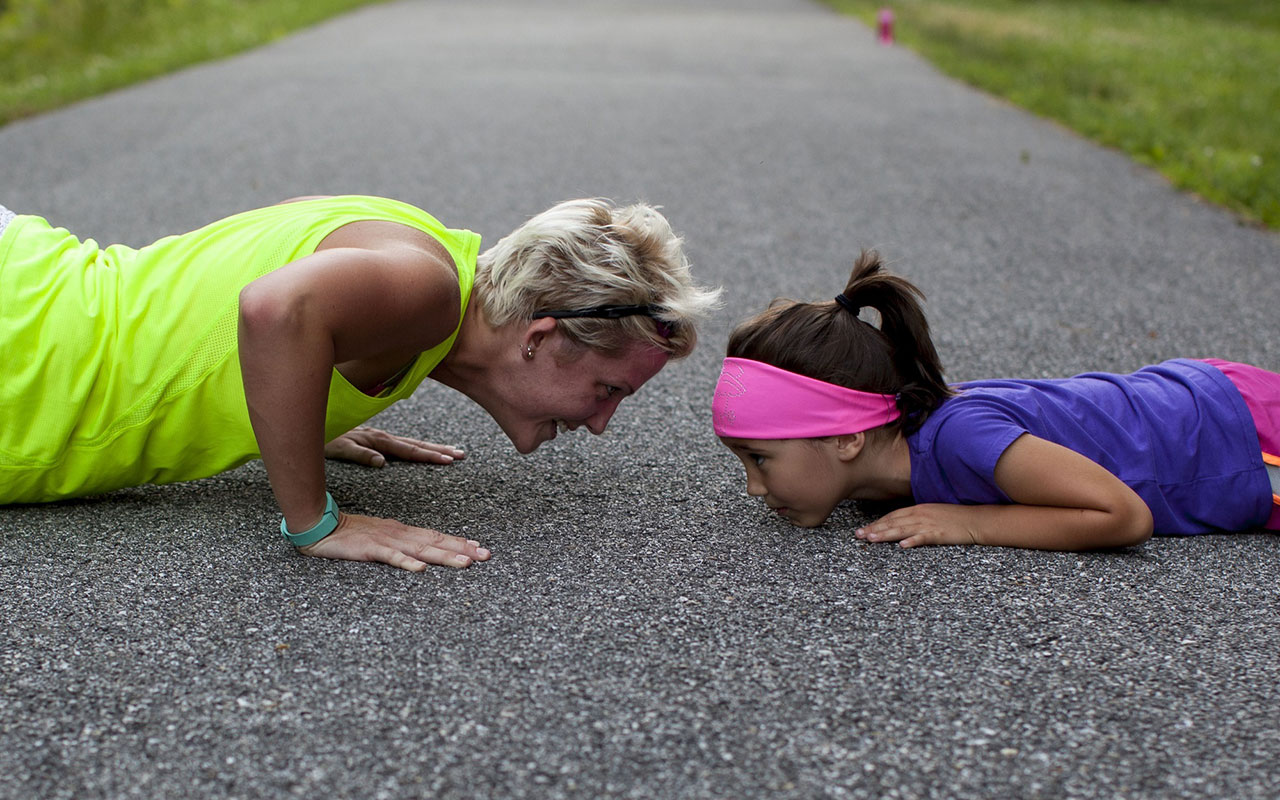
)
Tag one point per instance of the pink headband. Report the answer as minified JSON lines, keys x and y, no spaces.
{"x":754,"y":400}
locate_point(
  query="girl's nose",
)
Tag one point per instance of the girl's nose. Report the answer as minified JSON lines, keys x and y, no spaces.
{"x":755,"y":486}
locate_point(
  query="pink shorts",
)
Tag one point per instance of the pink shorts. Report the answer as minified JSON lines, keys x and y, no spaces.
{"x":1261,"y":392}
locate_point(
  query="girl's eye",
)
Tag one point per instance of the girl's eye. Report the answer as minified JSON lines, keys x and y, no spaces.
{"x":758,"y":459}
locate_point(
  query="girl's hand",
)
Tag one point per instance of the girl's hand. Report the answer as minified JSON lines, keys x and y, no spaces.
{"x":927,"y":523}
{"x":371,"y":447}
{"x":360,"y":538}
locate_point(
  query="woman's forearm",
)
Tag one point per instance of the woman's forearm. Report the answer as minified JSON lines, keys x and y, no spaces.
{"x":286,"y":361}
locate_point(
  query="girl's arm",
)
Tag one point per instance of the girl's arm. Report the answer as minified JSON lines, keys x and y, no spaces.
{"x":296,"y":323}
{"x":1063,"y":501}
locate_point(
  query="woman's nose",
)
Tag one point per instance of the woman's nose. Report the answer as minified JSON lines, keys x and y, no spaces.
{"x":597,"y":422}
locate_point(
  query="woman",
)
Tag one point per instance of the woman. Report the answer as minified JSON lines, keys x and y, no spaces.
{"x":276,"y":331}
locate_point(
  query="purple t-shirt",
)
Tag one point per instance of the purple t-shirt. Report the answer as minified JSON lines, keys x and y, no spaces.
{"x":1178,"y":433}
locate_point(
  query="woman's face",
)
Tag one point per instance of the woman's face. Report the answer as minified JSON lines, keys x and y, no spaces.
{"x":564,"y":387}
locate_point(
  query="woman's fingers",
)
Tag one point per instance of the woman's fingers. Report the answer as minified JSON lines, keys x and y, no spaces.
{"x":346,"y":449}
{"x":415,"y":450}
{"x":433,"y":547}
{"x":371,"y":447}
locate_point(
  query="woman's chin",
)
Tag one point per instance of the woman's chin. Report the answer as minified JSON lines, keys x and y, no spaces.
{"x":525,"y":448}
{"x":531,"y":440}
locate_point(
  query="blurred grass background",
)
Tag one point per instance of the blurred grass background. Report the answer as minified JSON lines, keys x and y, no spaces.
{"x":1189,"y":87}
{"x":53,"y":52}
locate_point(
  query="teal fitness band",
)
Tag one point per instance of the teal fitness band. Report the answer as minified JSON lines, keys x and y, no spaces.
{"x":328,"y":522}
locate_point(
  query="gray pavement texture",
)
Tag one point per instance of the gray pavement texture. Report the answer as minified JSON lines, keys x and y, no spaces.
{"x":644,"y":628}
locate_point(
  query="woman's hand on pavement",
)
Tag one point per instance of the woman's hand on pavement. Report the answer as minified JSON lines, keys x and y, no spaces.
{"x":371,"y":447}
{"x":361,"y":538}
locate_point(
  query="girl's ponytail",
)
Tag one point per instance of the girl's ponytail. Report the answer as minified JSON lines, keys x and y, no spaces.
{"x":903,"y":323}
{"x":829,"y":342}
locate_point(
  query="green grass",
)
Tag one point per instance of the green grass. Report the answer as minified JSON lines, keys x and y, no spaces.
{"x":53,"y":52}
{"x":1189,"y":87}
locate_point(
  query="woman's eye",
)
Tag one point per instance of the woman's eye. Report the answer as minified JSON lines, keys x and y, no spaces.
{"x":610,"y":391}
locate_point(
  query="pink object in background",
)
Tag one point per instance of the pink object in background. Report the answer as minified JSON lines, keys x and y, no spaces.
{"x":886,"y":26}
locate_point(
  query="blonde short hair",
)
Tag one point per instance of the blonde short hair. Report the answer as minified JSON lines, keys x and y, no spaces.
{"x":586,"y":253}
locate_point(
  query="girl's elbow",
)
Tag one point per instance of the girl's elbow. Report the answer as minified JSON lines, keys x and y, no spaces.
{"x":1136,"y":524}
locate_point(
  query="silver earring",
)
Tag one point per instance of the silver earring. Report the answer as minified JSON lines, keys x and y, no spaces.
{"x":528,"y":353}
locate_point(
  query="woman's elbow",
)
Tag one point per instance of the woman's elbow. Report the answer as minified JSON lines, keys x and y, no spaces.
{"x":263,"y":311}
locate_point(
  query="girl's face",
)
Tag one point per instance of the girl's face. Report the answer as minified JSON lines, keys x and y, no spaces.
{"x":801,"y":479}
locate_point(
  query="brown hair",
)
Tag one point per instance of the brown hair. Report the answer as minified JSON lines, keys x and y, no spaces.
{"x":829,"y":342}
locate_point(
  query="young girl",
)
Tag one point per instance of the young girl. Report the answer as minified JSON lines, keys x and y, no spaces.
{"x":822,"y":406}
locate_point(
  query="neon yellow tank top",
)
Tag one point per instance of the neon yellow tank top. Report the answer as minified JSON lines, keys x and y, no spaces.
{"x":120,"y":366}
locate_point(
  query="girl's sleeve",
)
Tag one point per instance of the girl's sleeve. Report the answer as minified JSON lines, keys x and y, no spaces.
{"x":966,"y":444}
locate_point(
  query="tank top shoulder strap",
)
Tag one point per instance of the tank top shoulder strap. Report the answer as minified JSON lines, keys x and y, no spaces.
{"x":348,"y":406}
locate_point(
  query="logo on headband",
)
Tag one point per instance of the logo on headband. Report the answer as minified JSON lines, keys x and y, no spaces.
{"x":730,"y":387}
{"x":731,"y":384}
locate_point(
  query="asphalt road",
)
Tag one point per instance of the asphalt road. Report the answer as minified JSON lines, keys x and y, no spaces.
{"x":644,"y":629}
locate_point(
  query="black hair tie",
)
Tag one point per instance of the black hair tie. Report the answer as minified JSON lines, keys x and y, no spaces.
{"x":847,"y":304}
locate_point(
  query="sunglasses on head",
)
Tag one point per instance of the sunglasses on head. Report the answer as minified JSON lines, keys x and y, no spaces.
{"x":612,"y":312}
